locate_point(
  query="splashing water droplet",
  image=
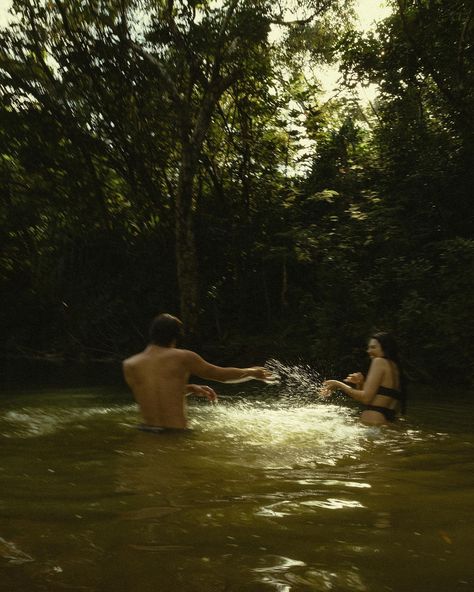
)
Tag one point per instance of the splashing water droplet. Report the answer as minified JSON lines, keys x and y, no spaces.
{"x":299,"y":382}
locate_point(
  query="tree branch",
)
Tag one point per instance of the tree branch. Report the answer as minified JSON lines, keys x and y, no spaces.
{"x":163,"y":74}
{"x":301,"y":22}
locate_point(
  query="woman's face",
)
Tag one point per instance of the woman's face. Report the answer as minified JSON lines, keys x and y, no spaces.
{"x":374,"y":349}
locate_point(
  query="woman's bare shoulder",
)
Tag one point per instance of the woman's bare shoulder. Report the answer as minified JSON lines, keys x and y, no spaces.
{"x":380,"y":363}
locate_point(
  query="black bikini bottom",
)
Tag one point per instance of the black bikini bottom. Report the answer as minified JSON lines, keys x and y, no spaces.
{"x":389,"y":414}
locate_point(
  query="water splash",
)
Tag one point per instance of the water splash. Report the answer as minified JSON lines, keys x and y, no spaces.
{"x":281,"y":432}
{"x":298,"y":383}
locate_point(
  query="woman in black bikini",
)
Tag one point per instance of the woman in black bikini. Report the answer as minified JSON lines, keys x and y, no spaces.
{"x":383,"y":392}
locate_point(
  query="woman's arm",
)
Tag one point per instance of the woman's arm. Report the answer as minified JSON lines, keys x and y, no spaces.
{"x":357,"y":379}
{"x":370,"y":387}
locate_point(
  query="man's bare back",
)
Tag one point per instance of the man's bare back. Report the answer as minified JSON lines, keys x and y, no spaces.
{"x":158,"y":378}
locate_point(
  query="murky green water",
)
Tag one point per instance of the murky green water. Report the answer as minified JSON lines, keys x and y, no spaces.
{"x":268,"y":493}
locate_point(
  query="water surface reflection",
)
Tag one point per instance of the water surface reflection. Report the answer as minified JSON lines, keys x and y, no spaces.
{"x":267,"y":493}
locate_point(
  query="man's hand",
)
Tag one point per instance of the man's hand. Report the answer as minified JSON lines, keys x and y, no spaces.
{"x":260,"y":373}
{"x":201,"y":390}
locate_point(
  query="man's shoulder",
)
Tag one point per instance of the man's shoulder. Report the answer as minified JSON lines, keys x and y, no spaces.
{"x":186,"y":354}
{"x":133,"y":360}
{"x":183,"y":355}
{"x":130,"y":361}
{"x":190,"y":359}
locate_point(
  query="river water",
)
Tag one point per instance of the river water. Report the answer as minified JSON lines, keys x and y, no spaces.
{"x":273,"y":490}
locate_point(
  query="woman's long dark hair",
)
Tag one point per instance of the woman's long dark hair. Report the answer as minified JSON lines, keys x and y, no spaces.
{"x":390,"y":351}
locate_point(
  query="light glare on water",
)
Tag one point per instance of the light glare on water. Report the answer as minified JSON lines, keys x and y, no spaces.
{"x":274,"y":490}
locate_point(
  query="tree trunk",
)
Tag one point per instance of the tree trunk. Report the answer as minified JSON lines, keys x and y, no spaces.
{"x":186,"y":256}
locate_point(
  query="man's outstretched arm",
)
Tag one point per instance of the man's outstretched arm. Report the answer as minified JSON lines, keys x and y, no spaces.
{"x":197,"y":366}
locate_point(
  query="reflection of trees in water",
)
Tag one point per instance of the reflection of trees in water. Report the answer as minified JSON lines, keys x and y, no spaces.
{"x":154,"y":464}
{"x":264,"y":493}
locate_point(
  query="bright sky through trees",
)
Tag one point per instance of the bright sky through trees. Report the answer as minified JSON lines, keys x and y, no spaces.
{"x":370,"y":11}
{"x":4,"y":6}
{"x":367,"y":10}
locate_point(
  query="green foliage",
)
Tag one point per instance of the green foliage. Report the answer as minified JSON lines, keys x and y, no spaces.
{"x":311,"y":222}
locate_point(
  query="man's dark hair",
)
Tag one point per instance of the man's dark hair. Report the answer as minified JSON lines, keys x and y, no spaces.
{"x":165,"y":329}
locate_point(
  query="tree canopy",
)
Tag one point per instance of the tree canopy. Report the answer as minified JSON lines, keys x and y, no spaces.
{"x":183,"y":156}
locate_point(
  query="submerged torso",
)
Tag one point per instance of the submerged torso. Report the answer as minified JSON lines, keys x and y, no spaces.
{"x":385,"y":404}
{"x":157,"y":378}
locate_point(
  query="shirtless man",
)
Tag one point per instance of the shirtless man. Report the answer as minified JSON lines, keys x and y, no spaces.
{"x":158,"y":377}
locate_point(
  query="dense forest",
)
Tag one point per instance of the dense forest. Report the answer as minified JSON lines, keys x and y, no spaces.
{"x":181,"y":156}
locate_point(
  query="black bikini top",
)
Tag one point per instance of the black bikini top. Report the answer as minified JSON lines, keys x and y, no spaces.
{"x":390,"y":392}
{"x":398,"y":394}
